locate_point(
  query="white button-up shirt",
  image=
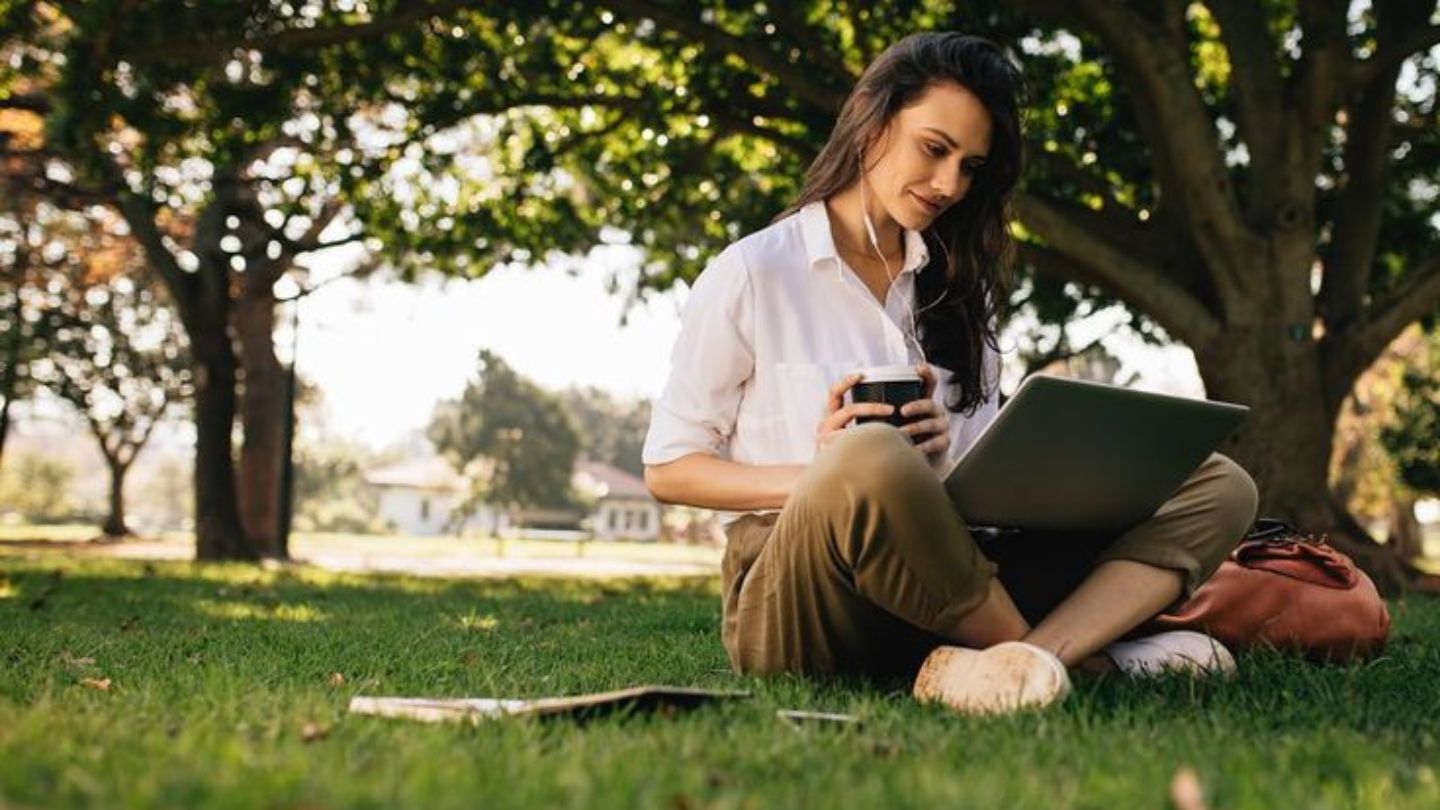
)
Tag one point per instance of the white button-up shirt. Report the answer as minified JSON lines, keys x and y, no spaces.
{"x":770,"y":325}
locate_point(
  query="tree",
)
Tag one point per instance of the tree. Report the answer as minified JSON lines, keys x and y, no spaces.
{"x":22,"y":334}
{"x":1364,"y":475}
{"x":38,"y":488}
{"x":117,"y":357}
{"x":225,"y":170}
{"x":611,"y":430}
{"x":517,"y":431}
{"x":1412,"y":440}
{"x":23,"y":330}
{"x":1252,"y":180}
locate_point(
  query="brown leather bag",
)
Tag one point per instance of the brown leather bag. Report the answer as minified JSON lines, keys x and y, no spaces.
{"x":1289,"y":591}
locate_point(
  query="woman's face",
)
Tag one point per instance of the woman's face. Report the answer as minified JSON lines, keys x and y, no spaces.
{"x":926,"y":159}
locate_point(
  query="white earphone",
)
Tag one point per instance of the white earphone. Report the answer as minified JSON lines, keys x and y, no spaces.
{"x":910,"y":311}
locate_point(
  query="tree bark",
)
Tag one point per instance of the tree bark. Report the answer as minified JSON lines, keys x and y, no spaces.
{"x":1286,"y":442}
{"x":10,"y":383}
{"x":262,"y":414}
{"x":115,"y":527}
{"x":219,"y":534}
{"x":203,"y":300}
{"x":1406,"y":538}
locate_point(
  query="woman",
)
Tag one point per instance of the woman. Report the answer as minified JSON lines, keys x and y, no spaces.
{"x":844,"y":555}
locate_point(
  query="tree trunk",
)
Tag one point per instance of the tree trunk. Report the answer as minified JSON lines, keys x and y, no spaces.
{"x":263,"y":414}
{"x":218,"y":532}
{"x":114,"y":527}
{"x":1286,"y":442}
{"x":11,"y":381}
{"x":1405,"y":539}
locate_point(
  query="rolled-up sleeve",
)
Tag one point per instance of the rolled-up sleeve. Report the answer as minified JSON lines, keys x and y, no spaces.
{"x":713,"y":358}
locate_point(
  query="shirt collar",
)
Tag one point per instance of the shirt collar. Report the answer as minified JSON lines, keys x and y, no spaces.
{"x":820,"y":242}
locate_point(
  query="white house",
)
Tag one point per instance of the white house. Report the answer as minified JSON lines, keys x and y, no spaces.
{"x":419,"y":496}
{"x":624,"y":507}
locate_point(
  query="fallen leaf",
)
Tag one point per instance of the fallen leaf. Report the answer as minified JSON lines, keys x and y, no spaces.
{"x":129,"y":624}
{"x":101,"y":684}
{"x":336,"y":679}
{"x":71,"y":661}
{"x":313,"y":731}
{"x":1185,"y":790}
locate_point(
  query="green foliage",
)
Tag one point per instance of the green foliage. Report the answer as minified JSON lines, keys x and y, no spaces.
{"x":37,"y":488}
{"x":118,"y":357}
{"x":611,"y":430}
{"x":330,"y":490}
{"x":514,"y":438}
{"x":1412,"y":438}
{"x":217,"y":671}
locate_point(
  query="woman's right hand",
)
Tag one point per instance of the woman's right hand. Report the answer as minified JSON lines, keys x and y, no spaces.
{"x":838,"y":415}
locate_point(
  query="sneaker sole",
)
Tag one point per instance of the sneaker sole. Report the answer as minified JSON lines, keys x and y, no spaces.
{"x":1005,"y":678}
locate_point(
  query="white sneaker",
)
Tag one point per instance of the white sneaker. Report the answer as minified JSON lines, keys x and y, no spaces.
{"x":1174,"y":651}
{"x":1007,"y":677}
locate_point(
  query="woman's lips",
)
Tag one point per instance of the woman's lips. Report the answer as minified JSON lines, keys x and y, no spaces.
{"x":925,"y":205}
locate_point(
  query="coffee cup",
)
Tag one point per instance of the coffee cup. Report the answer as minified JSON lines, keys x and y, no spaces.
{"x":892,"y":385}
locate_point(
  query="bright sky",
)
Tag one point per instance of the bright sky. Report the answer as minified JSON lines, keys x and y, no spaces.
{"x":384,"y":352}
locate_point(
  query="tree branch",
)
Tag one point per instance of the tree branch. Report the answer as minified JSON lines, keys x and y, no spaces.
{"x":1314,"y":96}
{"x":1354,"y":350}
{"x":30,"y":102}
{"x":1390,"y":55}
{"x":1178,"y":131}
{"x":1259,"y":92}
{"x":297,"y":39}
{"x":1369,"y":126}
{"x":797,"y":79}
{"x":1076,"y":252}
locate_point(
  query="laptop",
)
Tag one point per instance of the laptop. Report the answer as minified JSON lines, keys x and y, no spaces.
{"x":1072,"y":455}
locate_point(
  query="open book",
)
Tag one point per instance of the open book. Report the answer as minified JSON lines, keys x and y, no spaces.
{"x":634,"y":700}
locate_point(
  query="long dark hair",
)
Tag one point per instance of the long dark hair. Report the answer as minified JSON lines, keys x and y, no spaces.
{"x":970,"y":240}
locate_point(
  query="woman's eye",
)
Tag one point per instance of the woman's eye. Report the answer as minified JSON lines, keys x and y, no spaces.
{"x":934,"y":150}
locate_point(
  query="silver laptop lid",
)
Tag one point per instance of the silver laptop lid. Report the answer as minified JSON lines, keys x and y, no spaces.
{"x":1073,"y":455}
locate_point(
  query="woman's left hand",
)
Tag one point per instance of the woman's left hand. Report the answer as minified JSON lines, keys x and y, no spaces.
{"x":930,"y":428}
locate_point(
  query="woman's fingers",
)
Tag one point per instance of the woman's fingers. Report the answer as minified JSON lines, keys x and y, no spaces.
{"x":920,"y":407}
{"x":837,"y":420}
{"x":925,"y":427}
{"x":837,"y":392}
{"x":928,"y":378}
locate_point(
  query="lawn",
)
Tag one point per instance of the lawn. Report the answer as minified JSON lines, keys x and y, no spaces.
{"x":227,"y":687}
{"x":311,"y":544}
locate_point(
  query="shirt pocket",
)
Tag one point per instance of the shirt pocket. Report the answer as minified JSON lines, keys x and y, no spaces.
{"x":803,"y":390}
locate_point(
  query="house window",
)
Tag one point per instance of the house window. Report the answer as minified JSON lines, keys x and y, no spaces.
{"x":629,"y":519}
{"x":614,"y":519}
{"x":644,"y":522}
{"x":424,"y":508}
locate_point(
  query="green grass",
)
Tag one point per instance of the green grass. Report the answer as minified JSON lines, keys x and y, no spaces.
{"x":305,"y":544}
{"x":216,"y":670}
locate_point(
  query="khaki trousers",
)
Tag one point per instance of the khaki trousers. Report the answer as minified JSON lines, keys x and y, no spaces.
{"x":868,"y":567}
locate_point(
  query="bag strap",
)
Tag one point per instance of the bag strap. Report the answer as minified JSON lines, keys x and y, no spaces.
{"x":1272,"y":530}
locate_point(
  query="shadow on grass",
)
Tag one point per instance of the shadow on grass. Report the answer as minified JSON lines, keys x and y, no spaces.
{"x":525,"y":636}
{"x":169,"y":626}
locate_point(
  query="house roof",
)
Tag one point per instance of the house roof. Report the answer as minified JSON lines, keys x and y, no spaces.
{"x":606,"y":481}
{"x":597,"y":478}
{"x":417,"y":473}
